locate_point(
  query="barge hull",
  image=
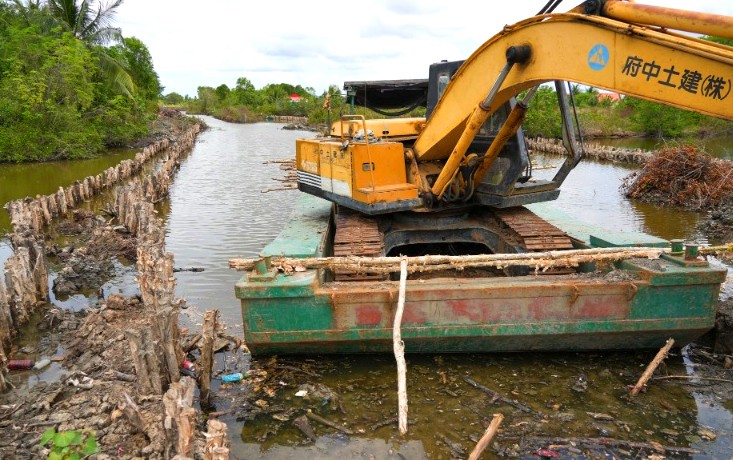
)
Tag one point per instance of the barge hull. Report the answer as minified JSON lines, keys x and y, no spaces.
{"x":640,"y":304}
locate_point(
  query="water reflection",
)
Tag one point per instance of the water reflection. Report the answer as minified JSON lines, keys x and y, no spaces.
{"x":592,"y":194}
{"x":31,"y":179}
{"x":217,"y":210}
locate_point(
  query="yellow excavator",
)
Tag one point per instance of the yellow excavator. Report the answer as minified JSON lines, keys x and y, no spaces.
{"x":462,"y":173}
{"x":456,"y":182}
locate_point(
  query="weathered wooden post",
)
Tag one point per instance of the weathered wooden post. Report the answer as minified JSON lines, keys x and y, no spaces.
{"x":145,"y":359}
{"x":207,"y":354}
{"x":180,"y":416}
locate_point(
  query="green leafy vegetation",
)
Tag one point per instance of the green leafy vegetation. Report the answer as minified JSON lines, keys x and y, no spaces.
{"x":69,"y":445}
{"x":244,"y":103}
{"x":64,"y":93}
{"x":599,"y":117}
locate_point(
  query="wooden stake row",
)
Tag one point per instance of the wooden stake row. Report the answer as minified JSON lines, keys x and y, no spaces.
{"x":594,"y":151}
{"x":26,"y":275}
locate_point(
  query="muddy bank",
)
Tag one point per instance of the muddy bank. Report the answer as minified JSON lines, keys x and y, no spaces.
{"x":169,"y":125}
{"x":717,"y":225}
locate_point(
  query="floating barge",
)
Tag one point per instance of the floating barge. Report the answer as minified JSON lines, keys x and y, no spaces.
{"x":632,"y":304}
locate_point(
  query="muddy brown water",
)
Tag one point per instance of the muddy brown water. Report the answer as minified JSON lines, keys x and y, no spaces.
{"x":216,"y":211}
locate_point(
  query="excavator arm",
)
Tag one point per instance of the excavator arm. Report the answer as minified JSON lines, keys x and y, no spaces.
{"x":377,"y":167}
{"x":635,"y":60}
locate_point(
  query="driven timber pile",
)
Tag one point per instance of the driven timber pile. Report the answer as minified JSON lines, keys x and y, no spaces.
{"x":25,"y":284}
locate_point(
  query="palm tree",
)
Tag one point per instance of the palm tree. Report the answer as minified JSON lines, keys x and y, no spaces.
{"x":91,"y":22}
{"x":88,"y":22}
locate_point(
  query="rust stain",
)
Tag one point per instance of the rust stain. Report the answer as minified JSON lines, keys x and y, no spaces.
{"x":413,"y":314}
{"x":368,"y":315}
{"x":604,"y":307}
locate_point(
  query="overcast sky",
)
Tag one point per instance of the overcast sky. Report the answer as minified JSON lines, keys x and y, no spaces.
{"x":318,"y":43}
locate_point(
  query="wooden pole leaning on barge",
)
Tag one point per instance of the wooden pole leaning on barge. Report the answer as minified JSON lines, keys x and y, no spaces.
{"x":399,"y":350}
{"x":661,"y":355}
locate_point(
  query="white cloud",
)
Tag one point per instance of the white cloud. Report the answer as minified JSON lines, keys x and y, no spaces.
{"x":320,"y":42}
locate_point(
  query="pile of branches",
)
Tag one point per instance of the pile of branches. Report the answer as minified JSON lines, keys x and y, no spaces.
{"x":682,"y":177}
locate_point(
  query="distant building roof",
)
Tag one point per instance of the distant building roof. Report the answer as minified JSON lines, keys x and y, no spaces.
{"x":295,"y":97}
{"x":613,"y":97}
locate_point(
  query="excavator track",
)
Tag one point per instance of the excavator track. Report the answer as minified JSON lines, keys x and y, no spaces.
{"x":536,"y":233}
{"x":357,"y":235}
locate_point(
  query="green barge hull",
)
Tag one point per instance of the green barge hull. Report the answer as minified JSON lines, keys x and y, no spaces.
{"x":639,"y":304}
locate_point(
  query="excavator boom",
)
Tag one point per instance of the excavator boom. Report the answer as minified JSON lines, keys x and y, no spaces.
{"x":586,"y":49}
{"x":453,"y":160}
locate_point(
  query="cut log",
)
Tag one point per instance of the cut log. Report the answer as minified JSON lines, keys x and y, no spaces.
{"x":487,"y":437}
{"x":217,"y":442}
{"x":323,"y":421}
{"x":539,"y":260}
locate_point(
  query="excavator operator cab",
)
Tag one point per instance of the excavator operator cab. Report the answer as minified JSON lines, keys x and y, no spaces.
{"x":511,"y":168}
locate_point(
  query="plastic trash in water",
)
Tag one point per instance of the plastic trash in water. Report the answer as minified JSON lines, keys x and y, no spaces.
{"x":17,"y":364}
{"x":41,"y":364}
{"x":231,"y":378}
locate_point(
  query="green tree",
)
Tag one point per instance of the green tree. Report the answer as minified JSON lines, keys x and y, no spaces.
{"x":135,"y":57}
{"x":47,"y":92}
{"x":222,"y":92}
{"x":91,"y":22}
{"x":245,"y":93}
{"x":659,"y":120}
{"x":543,"y":116}
{"x":173,"y":98}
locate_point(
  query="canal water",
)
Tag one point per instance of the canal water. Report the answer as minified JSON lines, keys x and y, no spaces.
{"x":217,"y":211}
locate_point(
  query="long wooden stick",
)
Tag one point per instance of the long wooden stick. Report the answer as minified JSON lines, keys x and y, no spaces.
{"x":496,"y":396}
{"x":692,"y":377}
{"x":540,"y":260}
{"x":486,"y":438}
{"x":399,"y":350}
{"x":327,"y":422}
{"x":661,"y":355}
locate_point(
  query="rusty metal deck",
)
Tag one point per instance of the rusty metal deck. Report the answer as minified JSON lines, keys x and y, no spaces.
{"x":536,"y":233}
{"x":357,"y":235}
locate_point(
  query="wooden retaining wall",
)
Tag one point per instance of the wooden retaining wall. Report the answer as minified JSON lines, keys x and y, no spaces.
{"x":287,"y":119}
{"x":592,"y":150}
{"x":25,"y":281}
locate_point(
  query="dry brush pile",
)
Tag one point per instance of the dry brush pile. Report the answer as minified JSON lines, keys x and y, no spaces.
{"x":682,"y":177}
